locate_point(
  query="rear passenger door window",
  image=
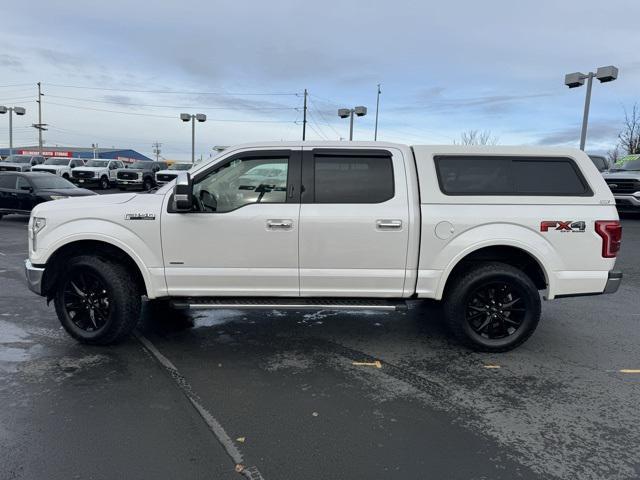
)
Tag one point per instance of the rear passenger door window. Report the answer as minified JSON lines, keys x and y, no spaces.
{"x":8,"y":182}
{"x":344,"y":177}
{"x":532,"y":176}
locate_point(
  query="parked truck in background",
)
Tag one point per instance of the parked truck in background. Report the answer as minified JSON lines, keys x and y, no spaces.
{"x":484,"y":230}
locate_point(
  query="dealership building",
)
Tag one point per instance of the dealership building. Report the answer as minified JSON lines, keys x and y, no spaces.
{"x":124,"y":154}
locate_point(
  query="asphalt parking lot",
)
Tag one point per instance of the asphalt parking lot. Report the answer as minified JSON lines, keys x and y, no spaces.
{"x":300,"y":396}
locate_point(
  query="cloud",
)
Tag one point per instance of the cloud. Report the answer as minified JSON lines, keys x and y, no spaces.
{"x":11,"y":61}
{"x":596,"y":132}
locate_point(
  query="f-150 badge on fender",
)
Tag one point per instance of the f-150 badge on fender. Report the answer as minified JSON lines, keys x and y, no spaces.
{"x":140,"y":216}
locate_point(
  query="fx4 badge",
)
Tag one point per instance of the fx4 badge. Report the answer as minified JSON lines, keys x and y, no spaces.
{"x":140,"y":216}
{"x":568,"y":226}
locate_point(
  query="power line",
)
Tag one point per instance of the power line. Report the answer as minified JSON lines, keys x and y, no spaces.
{"x":16,"y":85}
{"x":165,"y":116}
{"x":177,"y":92}
{"x":325,"y":120}
{"x":125,"y":104}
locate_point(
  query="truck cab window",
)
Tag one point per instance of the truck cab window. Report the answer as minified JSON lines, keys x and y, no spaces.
{"x":352,"y":179}
{"x":242,"y":182}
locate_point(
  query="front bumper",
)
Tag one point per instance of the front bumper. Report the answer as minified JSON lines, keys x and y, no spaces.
{"x":613,"y":282}
{"x":85,"y":181}
{"x":34,"y":276}
{"x":130,"y":183}
{"x":627,"y":202}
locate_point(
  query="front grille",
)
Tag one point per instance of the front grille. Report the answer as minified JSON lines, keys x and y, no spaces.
{"x":623,"y":185}
{"x":165,"y":177}
{"x":127,"y":175}
{"x":7,"y":168}
{"x":47,"y":170}
{"x":81,"y":174}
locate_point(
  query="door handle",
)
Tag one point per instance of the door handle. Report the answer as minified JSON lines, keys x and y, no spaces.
{"x":279,"y":224}
{"x":388,"y":224}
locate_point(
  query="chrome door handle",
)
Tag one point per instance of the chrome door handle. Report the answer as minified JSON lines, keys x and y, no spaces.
{"x":279,"y":224}
{"x":389,"y":224}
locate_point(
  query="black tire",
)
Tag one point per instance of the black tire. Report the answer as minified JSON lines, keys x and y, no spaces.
{"x":147,"y":184}
{"x":492,"y":307}
{"x":104,"y":183}
{"x":96,"y":300}
{"x":65,"y":176}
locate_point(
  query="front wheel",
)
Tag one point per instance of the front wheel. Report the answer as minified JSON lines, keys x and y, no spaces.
{"x":147,"y":184}
{"x":492,"y":307}
{"x":96,"y":300}
{"x":104,"y":183}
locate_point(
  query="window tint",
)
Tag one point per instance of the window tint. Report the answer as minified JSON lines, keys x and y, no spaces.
{"x":8,"y":181}
{"x":241,"y":182}
{"x":353,"y":179}
{"x":466,"y":175}
{"x":23,"y":184}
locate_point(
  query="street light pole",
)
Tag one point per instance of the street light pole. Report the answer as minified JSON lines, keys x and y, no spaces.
{"x":19,"y":111}
{"x":576,"y":79}
{"x":585,"y":115}
{"x":349,"y":112}
{"x":375,"y":132}
{"x":187,"y":117}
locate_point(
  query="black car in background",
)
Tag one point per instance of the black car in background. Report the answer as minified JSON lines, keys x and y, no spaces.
{"x":21,"y":191}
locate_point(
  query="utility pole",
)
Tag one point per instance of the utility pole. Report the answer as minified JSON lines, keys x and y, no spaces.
{"x":585,"y":114}
{"x":39,"y":126}
{"x":304,"y":118}
{"x":156,"y":149}
{"x":375,"y":134}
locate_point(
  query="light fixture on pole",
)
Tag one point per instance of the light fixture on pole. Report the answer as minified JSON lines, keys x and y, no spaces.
{"x":348,"y":113}
{"x":11,"y":110}
{"x":576,"y":79}
{"x":187,"y":117}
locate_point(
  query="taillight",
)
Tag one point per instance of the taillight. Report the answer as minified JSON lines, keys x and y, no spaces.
{"x":611,"y":233}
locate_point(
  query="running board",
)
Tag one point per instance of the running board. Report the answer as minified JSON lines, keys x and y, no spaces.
{"x":258,"y":303}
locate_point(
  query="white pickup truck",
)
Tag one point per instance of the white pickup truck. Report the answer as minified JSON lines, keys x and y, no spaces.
{"x":338,"y":226}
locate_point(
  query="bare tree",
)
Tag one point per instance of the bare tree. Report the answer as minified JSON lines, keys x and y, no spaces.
{"x":630,"y":135}
{"x":476,"y":137}
{"x":613,"y":155}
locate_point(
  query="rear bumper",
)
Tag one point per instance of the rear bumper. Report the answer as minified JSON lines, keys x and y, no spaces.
{"x":613,"y":282}
{"x":34,"y":276}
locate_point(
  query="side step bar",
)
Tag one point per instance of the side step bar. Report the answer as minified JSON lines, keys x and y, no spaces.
{"x":255,"y":303}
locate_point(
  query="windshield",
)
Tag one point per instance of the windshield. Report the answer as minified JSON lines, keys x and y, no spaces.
{"x":630,"y":165}
{"x":140,"y":165}
{"x":46,"y":181}
{"x":97,"y":163}
{"x":599,"y":162}
{"x":18,"y":159}
{"x":56,"y":161}
{"x":180,"y":166}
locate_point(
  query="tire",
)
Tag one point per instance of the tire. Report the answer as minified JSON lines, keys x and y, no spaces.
{"x":104,"y":183}
{"x":147,"y":184}
{"x":96,"y":300}
{"x":1,"y":215}
{"x":492,"y":307}
{"x":65,"y":176}
{"x":122,"y":189}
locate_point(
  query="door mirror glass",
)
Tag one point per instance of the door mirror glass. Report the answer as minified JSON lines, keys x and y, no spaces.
{"x":182,"y":193}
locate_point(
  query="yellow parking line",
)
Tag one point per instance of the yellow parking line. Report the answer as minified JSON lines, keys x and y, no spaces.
{"x":376,"y":364}
{"x":629,"y":370}
{"x":492,"y":366}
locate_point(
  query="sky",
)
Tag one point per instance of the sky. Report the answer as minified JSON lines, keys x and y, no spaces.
{"x":119,"y":73}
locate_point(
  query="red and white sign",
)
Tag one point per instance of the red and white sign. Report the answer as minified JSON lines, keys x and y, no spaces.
{"x":46,"y":153}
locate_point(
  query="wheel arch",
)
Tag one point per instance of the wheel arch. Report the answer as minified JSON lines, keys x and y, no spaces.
{"x":508,"y":252}
{"x":100,"y":248}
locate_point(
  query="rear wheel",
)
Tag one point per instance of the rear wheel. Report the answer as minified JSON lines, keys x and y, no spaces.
{"x":147,"y":184}
{"x":492,"y":307}
{"x":104,"y":183}
{"x":96,"y":300}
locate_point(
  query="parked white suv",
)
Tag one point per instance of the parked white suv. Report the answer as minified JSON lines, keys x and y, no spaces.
{"x":97,"y":173}
{"x":59,"y":166}
{"x":338,"y":226}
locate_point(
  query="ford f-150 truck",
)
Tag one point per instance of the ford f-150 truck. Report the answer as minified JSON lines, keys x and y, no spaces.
{"x":485,"y":230}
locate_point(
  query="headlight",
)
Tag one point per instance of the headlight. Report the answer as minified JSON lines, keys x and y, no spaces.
{"x":636,"y":194}
{"x":37,"y":224}
{"x":57,"y":197}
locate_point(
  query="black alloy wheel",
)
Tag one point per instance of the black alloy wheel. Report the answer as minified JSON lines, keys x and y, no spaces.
{"x":104,"y":183}
{"x":86,"y":300}
{"x":496,"y":310}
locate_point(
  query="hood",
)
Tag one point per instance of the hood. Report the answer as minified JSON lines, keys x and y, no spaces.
{"x":90,"y":203}
{"x":11,"y":164}
{"x":170,"y":172}
{"x":133,"y":170}
{"x":634,"y":174}
{"x":69,"y":192}
{"x":48,"y":167}
{"x":90,"y":169}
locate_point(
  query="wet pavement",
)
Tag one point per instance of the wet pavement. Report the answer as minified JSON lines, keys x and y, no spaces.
{"x":298,"y":395}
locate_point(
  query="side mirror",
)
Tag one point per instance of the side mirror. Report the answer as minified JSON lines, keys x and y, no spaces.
{"x":183,"y":193}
